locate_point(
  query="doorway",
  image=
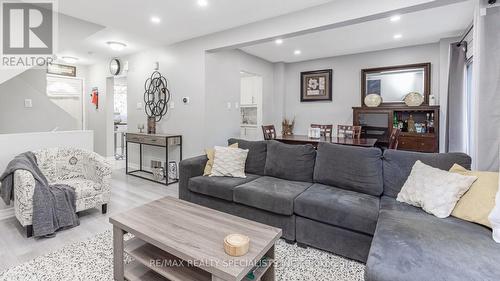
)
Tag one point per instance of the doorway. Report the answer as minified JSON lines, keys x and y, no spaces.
{"x":251,"y":88}
{"x":119,"y":116}
{"x":67,"y":94}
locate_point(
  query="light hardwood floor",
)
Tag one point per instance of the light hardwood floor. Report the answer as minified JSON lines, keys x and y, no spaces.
{"x":127,"y":192}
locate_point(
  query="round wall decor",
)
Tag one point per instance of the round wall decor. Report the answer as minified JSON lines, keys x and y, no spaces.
{"x":156,"y":96}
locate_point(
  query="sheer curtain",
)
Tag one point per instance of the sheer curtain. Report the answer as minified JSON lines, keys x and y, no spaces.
{"x":456,"y":140}
{"x":486,"y":88}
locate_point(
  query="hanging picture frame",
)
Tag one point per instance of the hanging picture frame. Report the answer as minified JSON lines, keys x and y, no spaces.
{"x":316,"y":85}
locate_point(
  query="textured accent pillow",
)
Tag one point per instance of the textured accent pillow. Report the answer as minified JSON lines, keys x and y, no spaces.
{"x":211,"y":156}
{"x":478,"y":202}
{"x":494,"y":217}
{"x":435,"y":191}
{"x":229,"y":162}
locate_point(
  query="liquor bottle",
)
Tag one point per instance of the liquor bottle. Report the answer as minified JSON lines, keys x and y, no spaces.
{"x":395,"y":121}
{"x":427,"y":122}
{"x":431,"y":124}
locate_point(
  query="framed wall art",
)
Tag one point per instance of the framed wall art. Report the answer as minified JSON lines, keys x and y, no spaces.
{"x":316,"y":85}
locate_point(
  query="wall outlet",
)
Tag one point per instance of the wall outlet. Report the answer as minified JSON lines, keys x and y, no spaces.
{"x":236,"y":105}
{"x":28,"y":103}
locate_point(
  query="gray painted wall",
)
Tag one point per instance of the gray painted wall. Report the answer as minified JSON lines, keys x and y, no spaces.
{"x":346,"y":83}
{"x":223,"y":86}
{"x":43,"y":116}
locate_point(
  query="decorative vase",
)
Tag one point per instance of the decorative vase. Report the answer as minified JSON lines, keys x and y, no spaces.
{"x":373,"y":100}
{"x":151,"y":125}
{"x":414,"y":99}
{"x":287,"y":127}
{"x":172,"y":170}
{"x":158,"y":174}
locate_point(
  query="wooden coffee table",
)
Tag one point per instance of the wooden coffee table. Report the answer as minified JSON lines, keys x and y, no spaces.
{"x":178,"y":240}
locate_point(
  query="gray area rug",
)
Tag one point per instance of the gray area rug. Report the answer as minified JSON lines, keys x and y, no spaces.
{"x":92,"y":260}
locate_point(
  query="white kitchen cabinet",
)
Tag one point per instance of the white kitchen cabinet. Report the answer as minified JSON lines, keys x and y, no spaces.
{"x":251,"y":90}
{"x":249,"y":133}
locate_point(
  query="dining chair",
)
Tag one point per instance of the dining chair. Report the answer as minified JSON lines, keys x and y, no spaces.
{"x":269,"y":132}
{"x":394,"y":139}
{"x":326,"y":130}
{"x":348,"y":131}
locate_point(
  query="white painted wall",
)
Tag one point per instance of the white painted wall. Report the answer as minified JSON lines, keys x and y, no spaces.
{"x":223,"y":86}
{"x":347,"y":83}
{"x":44,"y":115}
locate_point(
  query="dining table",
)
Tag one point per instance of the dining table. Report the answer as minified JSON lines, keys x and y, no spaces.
{"x":304,"y":139}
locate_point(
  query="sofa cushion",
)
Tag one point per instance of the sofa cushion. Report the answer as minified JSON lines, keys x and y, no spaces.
{"x":256,"y":159}
{"x":414,"y":245}
{"x":219,"y":187}
{"x":270,"y":194}
{"x":398,"y":165}
{"x":339,"y":207}
{"x":353,"y":168}
{"x":290,"y":162}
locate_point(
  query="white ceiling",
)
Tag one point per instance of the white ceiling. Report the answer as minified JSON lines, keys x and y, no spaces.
{"x":416,"y":28}
{"x":180,"y":19}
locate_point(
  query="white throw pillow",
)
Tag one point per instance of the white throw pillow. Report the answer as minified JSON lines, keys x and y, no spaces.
{"x":494,"y":217}
{"x":229,"y":162}
{"x":434,"y":190}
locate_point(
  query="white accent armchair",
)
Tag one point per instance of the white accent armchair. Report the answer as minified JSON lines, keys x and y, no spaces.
{"x":86,"y":171}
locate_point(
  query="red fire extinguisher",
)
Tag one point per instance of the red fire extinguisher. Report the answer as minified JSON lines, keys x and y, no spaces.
{"x":94,"y":97}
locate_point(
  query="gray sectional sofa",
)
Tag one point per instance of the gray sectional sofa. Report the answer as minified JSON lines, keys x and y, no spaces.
{"x":342,"y":199}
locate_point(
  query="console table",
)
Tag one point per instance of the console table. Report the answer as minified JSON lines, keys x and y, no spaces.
{"x":157,"y":140}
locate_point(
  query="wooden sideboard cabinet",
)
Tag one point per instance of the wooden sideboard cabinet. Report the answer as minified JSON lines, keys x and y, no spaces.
{"x":377,"y":122}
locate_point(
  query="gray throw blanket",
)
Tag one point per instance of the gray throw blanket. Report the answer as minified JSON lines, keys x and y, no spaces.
{"x":54,"y":206}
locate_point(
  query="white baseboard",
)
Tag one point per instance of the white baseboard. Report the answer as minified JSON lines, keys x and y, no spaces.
{"x":6,"y":213}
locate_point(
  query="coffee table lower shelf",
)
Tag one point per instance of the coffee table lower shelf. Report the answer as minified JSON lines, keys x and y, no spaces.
{"x":168,"y":267}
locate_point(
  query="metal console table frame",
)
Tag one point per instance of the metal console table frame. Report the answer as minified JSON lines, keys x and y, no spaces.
{"x":157,"y":140}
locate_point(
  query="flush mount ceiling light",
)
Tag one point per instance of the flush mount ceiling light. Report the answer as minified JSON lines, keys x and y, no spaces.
{"x":397,"y":36}
{"x":278,"y":41}
{"x":116,"y":46}
{"x":202,"y":3}
{"x":155,"y":19}
{"x":395,"y":18}
{"x":69,"y":59}
{"x":297,"y":52}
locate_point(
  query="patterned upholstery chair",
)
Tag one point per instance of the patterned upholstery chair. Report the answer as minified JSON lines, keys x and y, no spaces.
{"x":86,"y":171}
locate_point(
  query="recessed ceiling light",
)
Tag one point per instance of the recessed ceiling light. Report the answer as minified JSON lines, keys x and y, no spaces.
{"x":395,"y":18}
{"x":278,"y":41}
{"x":155,"y":19}
{"x":70,"y":59}
{"x":397,"y":36}
{"x":202,"y":3}
{"x":116,"y":46}
{"x":297,"y":52}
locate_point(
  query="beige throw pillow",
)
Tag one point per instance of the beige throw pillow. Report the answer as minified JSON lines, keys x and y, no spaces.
{"x":478,"y":202}
{"x":229,"y":162}
{"x":211,"y":156}
{"x":434,"y":190}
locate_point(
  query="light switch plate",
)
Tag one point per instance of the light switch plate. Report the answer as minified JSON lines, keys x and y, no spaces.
{"x":229,"y":105}
{"x":172,"y":105}
{"x":28,"y":103}
{"x":139,"y":105}
{"x":236,"y":105}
